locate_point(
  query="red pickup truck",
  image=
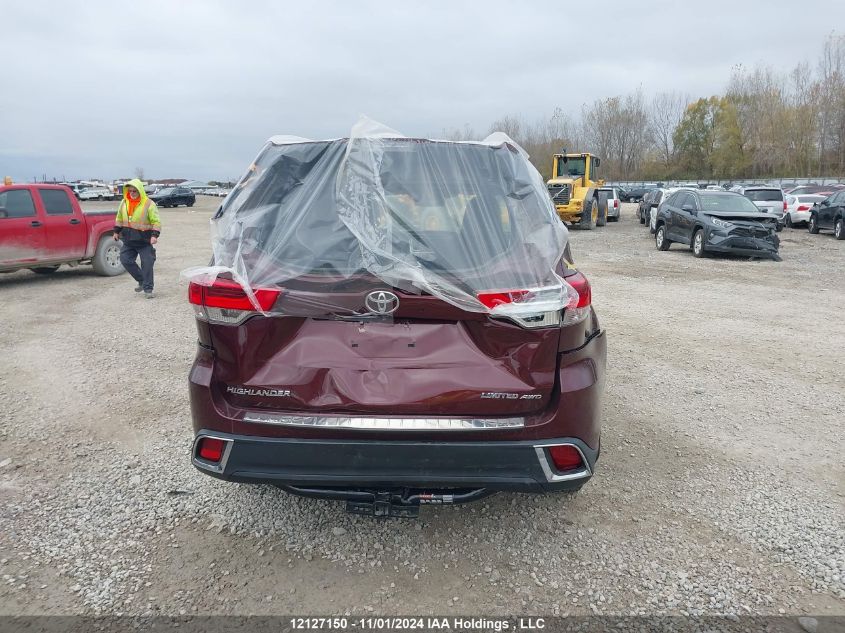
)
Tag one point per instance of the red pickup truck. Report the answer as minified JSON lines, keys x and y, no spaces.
{"x":43,"y":227}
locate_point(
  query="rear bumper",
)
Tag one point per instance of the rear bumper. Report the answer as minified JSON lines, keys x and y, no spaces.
{"x":521,"y":466}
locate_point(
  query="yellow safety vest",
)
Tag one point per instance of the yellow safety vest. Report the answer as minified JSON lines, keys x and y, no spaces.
{"x":139,"y":220}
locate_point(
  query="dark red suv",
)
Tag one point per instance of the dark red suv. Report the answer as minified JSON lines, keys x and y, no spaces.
{"x":394,"y":322}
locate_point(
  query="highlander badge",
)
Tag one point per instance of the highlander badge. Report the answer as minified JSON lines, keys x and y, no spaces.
{"x":249,"y":391}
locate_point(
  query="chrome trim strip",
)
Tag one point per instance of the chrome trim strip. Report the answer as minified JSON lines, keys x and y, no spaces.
{"x":388,"y":424}
{"x":206,"y":465}
{"x":551,"y":475}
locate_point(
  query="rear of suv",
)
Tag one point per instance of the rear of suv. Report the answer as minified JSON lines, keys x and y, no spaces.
{"x":394,"y":322}
{"x":769,"y":200}
{"x":614,"y":202}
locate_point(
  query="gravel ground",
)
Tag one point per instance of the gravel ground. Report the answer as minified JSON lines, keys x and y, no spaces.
{"x":721,"y":487}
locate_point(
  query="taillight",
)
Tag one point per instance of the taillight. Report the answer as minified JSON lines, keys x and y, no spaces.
{"x":565,"y":457}
{"x":803,"y":207}
{"x":534,"y":308}
{"x":784,"y":205}
{"x":541,"y":305}
{"x":493,"y":299}
{"x":211,"y":449}
{"x":616,"y":204}
{"x":226,"y":301}
{"x":578,"y":308}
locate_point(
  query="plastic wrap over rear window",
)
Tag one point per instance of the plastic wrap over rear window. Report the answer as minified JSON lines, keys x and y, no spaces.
{"x":450,"y":219}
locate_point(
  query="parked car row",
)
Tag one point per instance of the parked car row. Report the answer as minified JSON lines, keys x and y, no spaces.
{"x":743,"y":221}
{"x":823,"y":190}
{"x":649,"y":202}
{"x":636,"y":194}
{"x":84,"y":191}
{"x":633,"y":193}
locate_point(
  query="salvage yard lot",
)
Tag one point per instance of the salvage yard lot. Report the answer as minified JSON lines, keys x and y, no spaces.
{"x":720,"y":488}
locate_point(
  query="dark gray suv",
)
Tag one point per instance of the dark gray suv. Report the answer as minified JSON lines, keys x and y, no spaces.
{"x":174,"y":196}
{"x":715,"y":221}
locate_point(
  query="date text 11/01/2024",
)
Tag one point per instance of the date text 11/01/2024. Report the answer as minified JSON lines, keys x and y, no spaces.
{"x":417,"y":623}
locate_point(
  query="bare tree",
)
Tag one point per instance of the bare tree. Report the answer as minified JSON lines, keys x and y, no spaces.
{"x":542,"y":137}
{"x":617,"y":129}
{"x":665,"y":113}
{"x":139,"y":173}
{"x":509,"y":124}
{"x":803,"y":114}
{"x":831,"y":131}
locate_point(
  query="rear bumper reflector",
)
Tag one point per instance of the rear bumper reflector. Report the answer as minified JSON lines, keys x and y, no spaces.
{"x":389,"y":424}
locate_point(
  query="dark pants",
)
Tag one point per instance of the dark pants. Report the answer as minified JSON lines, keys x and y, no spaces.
{"x":144,"y":274}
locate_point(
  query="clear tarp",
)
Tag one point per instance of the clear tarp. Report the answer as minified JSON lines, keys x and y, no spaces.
{"x":452,"y":219}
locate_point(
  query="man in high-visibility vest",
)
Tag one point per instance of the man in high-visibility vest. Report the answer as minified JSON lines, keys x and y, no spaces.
{"x":138,"y":225}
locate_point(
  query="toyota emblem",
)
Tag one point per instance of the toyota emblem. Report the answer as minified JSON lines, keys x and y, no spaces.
{"x":381,"y":302}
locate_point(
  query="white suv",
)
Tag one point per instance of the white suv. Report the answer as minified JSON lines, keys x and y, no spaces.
{"x":768,"y":199}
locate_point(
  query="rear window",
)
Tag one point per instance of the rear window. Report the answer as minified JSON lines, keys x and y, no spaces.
{"x":764,"y":195}
{"x":455,"y":210}
{"x":16,"y":203}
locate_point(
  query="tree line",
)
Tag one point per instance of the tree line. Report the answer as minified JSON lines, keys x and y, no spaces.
{"x":766,"y":124}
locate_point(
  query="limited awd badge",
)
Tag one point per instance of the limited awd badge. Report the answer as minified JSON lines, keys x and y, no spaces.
{"x":497,"y":395}
{"x":381,"y":302}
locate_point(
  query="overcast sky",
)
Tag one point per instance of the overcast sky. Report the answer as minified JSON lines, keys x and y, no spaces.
{"x":193,"y":89}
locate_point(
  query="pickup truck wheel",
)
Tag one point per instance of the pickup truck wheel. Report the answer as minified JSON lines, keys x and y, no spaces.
{"x":45,"y":270}
{"x":642,"y":218}
{"x":660,"y":240}
{"x":839,"y":229}
{"x":813,"y":224}
{"x":788,"y":220}
{"x":106,"y":260}
{"x":190,"y":204}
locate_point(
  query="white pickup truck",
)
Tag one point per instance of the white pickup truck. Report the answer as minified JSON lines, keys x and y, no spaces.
{"x":95,"y":192}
